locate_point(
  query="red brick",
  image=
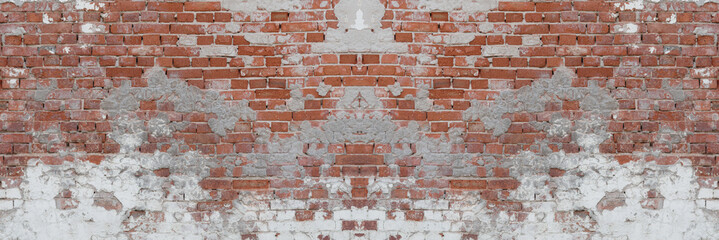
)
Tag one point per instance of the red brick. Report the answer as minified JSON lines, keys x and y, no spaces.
{"x":124,"y":72}
{"x":595,"y":72}
{"x":359,"y":159}
{"x":251,"y":184}
{"x":468,"y":184}
{"x":202,"y":6}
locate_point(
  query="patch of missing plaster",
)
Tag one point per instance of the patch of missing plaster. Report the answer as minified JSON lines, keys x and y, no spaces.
{"x":676,"y":91}
{"x":183,"y":97}
{"x":249,"y":6}
{"x":469,"y":6}
{"x":359,"y":98}
{"x":359,"y":30}
{"x":323,"y":89}
{"x":533,"y":98}
{"x":395,"y":89}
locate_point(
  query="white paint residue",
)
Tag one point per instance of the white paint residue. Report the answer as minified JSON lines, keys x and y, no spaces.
{"x":92,"y":28}
{"x":359,"y":21}
{"x":88,"y":5}
{"x":626,"y":28}
{"x":46,"y":19}
{"x":630,"y":6}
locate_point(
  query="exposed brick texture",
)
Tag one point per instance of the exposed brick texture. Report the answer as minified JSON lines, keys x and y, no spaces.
{"x":430,"y":121}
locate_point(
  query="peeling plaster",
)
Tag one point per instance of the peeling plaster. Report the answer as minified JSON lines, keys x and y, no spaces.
{"x":185,"y":99}
{"x":125,"y":181}
{"x":534,"y":97}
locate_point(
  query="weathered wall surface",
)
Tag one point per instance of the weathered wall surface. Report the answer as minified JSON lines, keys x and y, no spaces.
{"x":359,"y":119}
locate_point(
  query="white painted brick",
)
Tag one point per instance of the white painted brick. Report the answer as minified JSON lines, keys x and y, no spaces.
{"x":285,"y":216}
{"x":287,"y":204}
{"x":301,"y":236}
{"x":457,"y":226}
{"x":713,"y":204}
{"x":267,"y":215}
{"x":450,"y":215}
{"x":6,"y":204}
{"x":342,"y":215}
{"x":261,"y":226}
{"x":705,"y":193}
{"x":13,"y":193}
{"x":264,"y":236}
{"x":376,"y":215}
{"x":433,"y":215}
{"x":417,"y":236}
{"x":431,"y":204}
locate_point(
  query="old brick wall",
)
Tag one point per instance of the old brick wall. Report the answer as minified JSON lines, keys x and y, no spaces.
{"x":359,"y":119}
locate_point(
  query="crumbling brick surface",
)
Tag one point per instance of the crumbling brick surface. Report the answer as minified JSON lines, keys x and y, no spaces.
{"x":359,"y":119}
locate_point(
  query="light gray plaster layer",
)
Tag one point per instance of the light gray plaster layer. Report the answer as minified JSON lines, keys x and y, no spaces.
{"x":422,"y":101}
{"x":323,"y":89}
{"x":297,"y":101}
{"x":533,"y":98}
{"x":43,"y":90}
{"x":676,"y":91}
{"x":500,"y":51}
{"x":185,"y":99}
{"x":359,"y":98}
{"x":395,"y":89}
